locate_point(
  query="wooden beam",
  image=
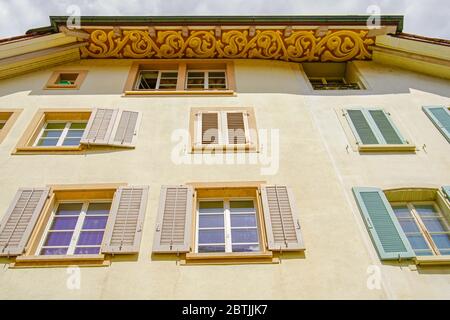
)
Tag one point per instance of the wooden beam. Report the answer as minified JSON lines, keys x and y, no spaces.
{"x":75,"y":33}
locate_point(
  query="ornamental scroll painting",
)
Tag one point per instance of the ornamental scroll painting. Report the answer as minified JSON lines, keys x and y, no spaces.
{"x":299,"y":46}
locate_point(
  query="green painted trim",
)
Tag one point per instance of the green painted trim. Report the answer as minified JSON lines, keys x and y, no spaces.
{"x":56,"y":21}
{"x":435,"y":120}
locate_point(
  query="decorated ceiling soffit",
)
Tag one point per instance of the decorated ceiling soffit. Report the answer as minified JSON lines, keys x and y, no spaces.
{"x":278,"y":44}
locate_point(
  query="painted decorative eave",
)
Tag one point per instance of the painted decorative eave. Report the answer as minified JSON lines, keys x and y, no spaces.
{"x":288,"y":38}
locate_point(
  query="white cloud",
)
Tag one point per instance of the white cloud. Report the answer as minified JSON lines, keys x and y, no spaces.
{"x":429,"y":18}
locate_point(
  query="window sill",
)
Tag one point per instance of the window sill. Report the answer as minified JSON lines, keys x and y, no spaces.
{"x":224,"y":148}
{"x":387,"y":148}
{"x":180,"y":92}
{"x":48,"y":150}
{"x":52,"y":261}
{"x":229,"y":258}
{"x":435,"y":260}
{"x":62,"y":87}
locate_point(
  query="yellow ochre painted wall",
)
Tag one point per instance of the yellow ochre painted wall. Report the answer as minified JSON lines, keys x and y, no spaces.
{"x":314,"y":161}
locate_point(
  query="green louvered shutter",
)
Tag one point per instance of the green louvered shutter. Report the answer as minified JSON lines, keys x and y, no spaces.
{"x":386,"y":127}
{"x":446,"y":190}
{"x":361,"y":127}
{"x":441,"y":119}
{"x":384,"y":229}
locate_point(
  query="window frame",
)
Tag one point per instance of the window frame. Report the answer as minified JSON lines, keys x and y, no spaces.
{"x":77,"y":230}
{"x":63,"y":136}
{"x":227,"y":224}
{"x":427,"y":235}
{"x":205,"y":79}
{"x":158,"y":79}
{"x":53,"y":85}
{"x":10,"y":117}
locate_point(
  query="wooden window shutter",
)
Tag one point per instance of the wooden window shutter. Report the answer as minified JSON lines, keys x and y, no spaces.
{"x":236,"y":128}
{"x":99,"y":127}
{"x":384,"y":228}
{"x":125,"y":223}
{"x":440,"y":116}
{"x":361,"y":127}
{"x":386,"y":127}
{"x":20,"y":219}
{"x":125,"y":130}
{"x":280,"y":217}
{"x":210,"y":128}
{"x":174,"y":222}
{"x":446,"y":190}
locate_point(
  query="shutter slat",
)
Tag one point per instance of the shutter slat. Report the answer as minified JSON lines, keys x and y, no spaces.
{"x":236,"y":128}
{"x":361,"y":127}
{"x":210,"y":128}
{"x":389,"y":133}
{"x":440,"y":116}
{"x":280,"y":217}
{"x":125,"y":130}
{"x":126,"y":220}
{"x":20,"y":219}
{"x":384,"y":229}
{"x":99,"y":127}
{"x":174,"y":222}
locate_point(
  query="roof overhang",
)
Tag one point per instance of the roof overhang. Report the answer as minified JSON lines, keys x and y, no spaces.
{"x":288,"y":38}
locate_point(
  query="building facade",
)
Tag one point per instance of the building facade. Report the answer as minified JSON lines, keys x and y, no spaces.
{"x":224,"y":158}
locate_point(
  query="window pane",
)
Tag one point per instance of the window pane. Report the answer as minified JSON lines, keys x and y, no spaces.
{"x":244,"y":235}
{"x":409,"y":226}
{"x":418,"y":242}
{"x":55,"y":125}
{"x":445,"y":252}
{"x":71,"y":142}
{"x":245,"y":247}
{"x":424,"y":253}
{"x":90,"y":238}
{"x":64,"y":223}
{"x":53,"y":251}
{"x":75,"y":133}
{"x":99,"y":208}
{"x":69,"y":209}
{"x":47,"y":142}
{"x":243,"y":220}
{"x":434,"y":224}
{"x":211,"y":207}
{"x":2,"y":124}
{"x":89,"y":250}
{"x":94,"y":222}
{"x":51,"y":134}
{"x":425,"y":210}
{"x":402,"y":212}
{"x":169,"y":75}
{"x":55,"y":239}
{"x":210,"y":221}
{"x":148,"y":80}
{"x":78,"y":126}
{"x":441,"y":240}
{"x":242,"y":204}
{"x":196,"y":75}
{"x":211,"y":236}
{"x":211,"y":248}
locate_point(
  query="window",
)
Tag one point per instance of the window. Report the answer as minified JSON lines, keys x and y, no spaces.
{"x":222,"y":128}
{"x":60,"y":134}
{"x":373,"y":127}
{"x":77,"y":130}
{"x":7,"y":119}
{"x":173,"y":77}
{"x":425,"y":227}
{"x":157,"y":80}
{"x":76,"y":228}
{"x":440,"y":116}
{"x":227,"y":226}
{"x":227,"y":221}
{"x":70,"y":79}
{"x":62,"y":224}
{"x":206,"y":80}
{"x":333,"y":76}
{"x":408,"y":223}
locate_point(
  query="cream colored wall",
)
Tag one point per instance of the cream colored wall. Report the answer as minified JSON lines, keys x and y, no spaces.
{"x":313,"y":161}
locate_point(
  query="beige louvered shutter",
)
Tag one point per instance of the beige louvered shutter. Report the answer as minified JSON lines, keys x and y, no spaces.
{"x":236,"y":128}
{"x":209,"y":128}
{"x":124,"y":133}
{"x":99,"y":127}
{"x":124,"y":228}
{"x":20,"y":219}
{"x":174,"y":222}
{"x":280,"y":217}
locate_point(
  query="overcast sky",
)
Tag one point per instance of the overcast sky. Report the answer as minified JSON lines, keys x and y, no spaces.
{"x":424,"y":17}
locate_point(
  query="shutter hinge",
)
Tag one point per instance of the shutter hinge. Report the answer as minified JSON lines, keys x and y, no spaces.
{"x":298,"y":224}
{"x":158,"y":228}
